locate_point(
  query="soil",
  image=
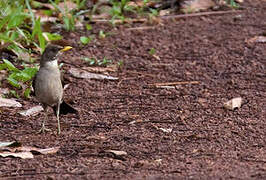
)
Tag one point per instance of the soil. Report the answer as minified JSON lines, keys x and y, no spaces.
{"x":176,"y":132}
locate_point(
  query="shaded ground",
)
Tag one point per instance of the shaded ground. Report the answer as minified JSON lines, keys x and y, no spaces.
{"x":206,"y":142}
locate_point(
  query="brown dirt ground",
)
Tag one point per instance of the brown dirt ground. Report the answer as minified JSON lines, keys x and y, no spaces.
{"x":206,"y":142}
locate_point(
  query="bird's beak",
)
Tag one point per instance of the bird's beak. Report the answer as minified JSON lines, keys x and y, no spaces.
{"x":66,"y":48}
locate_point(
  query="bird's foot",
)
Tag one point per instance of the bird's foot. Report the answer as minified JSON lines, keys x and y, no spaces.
{"x":43,"y":129}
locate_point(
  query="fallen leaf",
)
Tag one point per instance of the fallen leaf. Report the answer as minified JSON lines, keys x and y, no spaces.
{"x":258,"y":39}
{"x":158,"y":161}
{"x":166,"y":130}
{"x":79,"y":73}
{"x":9,"y":144}
{"x":3,"y":74}
{"x":233,"y":103}
{"x":117,"y":153}
{"x":135,"y":121}
{"x":4,"y":91}
{"x":52,"y":150}
{"x":203,"y":102}
{"x":112,"y":68}
{"x":14,"y":149}
{"x":156,"y":57}
{"x":196,"y":5}
{"x":44,"y":18}
{"x":32,"y":111}
{"x":22,"y":155}
{"x":9,"y":103}
{"x":67,"y":6}
{"x":167,"y":87}
{"x":164,"y":12}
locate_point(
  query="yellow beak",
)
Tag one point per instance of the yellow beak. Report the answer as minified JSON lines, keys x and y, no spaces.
{"x":66,"y":48}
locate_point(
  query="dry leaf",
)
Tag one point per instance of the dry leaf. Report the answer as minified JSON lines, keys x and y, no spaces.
{"x":44,"y":18}
{"x":3,"y":74}
{"x":52,"y":150}
{"x":22,"y":155}
{"x":117,"y":153}
{"x":9,"y":144}
{"x":164,"y":12}
{"x":112,"y":68}
{"x":258,"y":39}
{"x":15,"y":149}
{"x":79,"y":73}
{"x":166,"y":130}
{"x":167,"y":87}
{"x":67,"y":6}
{"x":32,"y":111}
{"x":196,"y":5}
{"x":136,"y":121}
{"x":4,"y":90}
{"x":233,"y":103}
{"x":9,"y":103}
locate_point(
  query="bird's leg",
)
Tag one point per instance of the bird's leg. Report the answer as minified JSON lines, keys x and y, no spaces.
{"x":43,"y":129}
{"x":57,"y":116}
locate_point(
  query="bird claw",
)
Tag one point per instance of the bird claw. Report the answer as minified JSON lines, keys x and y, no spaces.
{"x":43,"y":130}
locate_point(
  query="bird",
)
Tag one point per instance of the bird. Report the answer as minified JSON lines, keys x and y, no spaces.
{"x":47,"y":84}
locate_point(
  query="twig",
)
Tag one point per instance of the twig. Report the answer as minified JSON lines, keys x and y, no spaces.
{"x":174,"y":83}
{"x":199,"y":14}
{"x":120,"y":21}
{"x":141,"y":28}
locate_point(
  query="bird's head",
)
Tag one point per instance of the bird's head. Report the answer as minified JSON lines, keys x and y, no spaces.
{"x":52,"y":51}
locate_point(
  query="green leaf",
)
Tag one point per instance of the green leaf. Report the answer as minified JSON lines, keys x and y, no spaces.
{"x":21,"y":76}
{"x":14,"y":93}
{"x":85,"y":40}
{"x":67,"y":23}
{"x":102,"y":34}
{"x":4,"y":21}
{"x":38,"y":31}
{"x":3,"y":66}
{"x":48,"y":12}
{"x":10,"y":66}
{"x":88,"y":27}
{"x":27,"y":92}
{"x":30,"y":71}
{"x":13,"y":82}
{"x":152,"y":51}
{"x":53,"y":37}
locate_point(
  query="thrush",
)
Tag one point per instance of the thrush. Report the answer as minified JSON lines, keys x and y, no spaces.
{"x":47,"y":84}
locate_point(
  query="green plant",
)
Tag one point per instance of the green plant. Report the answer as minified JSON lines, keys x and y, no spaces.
{"x":152,"y":51}
{"x":102,"y":34}
{"x":120,"y":64}
{"x":119,"y":8}
{"x":19,"y":28}
{"x":18,"y":77}
{"x":95,"y":62}
{"x":232,"y":3}
{"x":85,"y":40}
{"x":69,"y":17}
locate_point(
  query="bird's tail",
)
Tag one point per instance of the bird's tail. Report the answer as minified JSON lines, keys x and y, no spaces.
{"x":65,"y":109}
